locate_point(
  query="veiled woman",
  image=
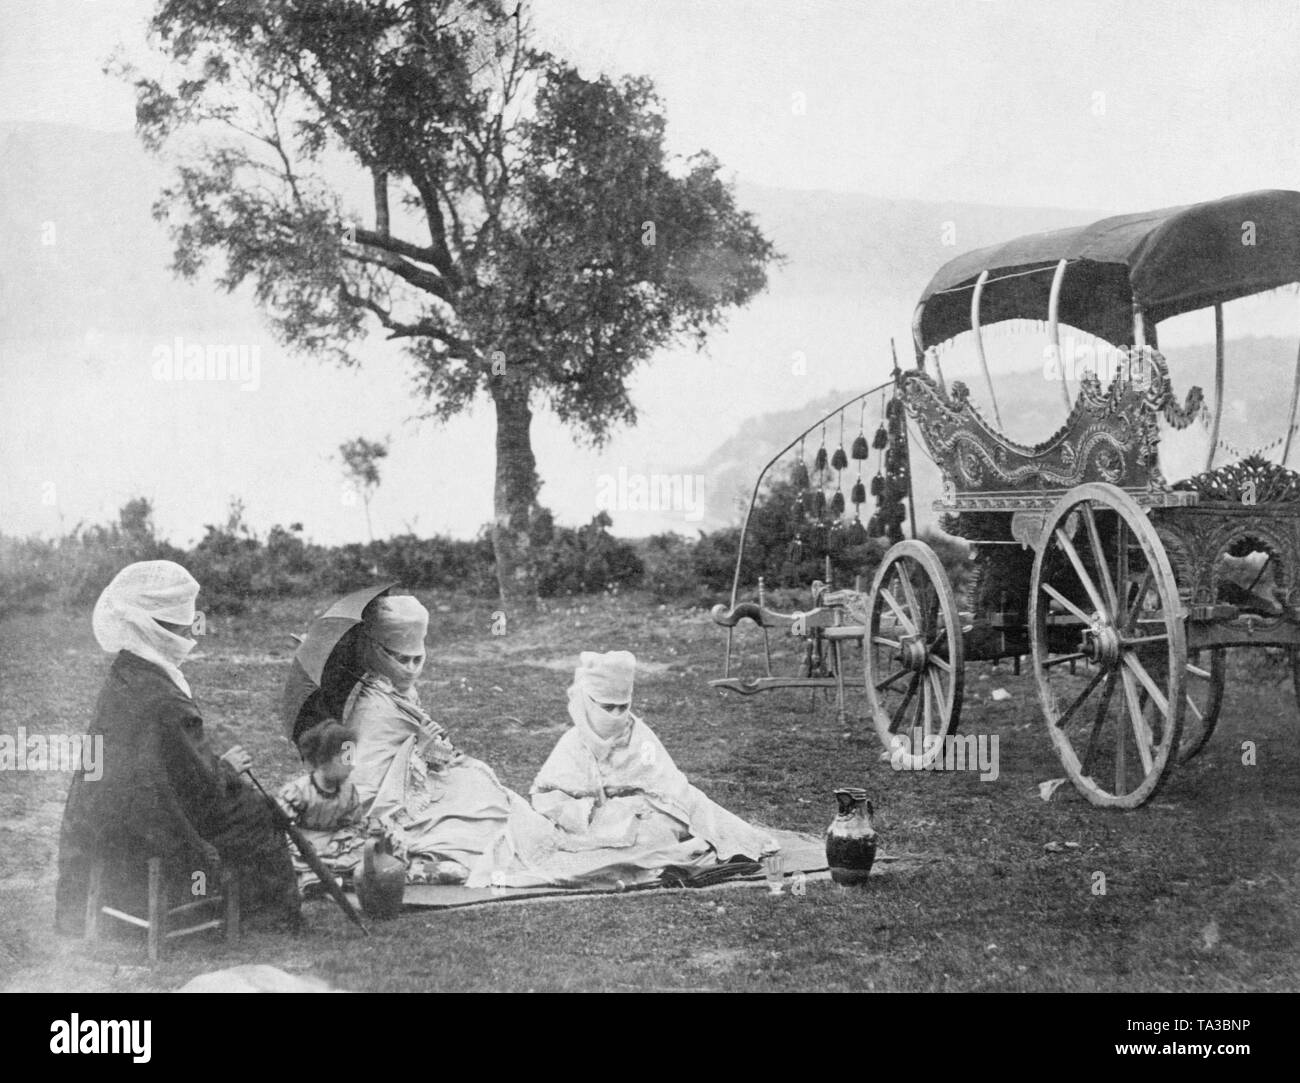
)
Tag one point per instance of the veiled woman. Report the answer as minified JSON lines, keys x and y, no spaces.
{"x":451,"y":812}
{"x":164,"y":792}
{"x":609,"y":781}
{"x":445,"y":807}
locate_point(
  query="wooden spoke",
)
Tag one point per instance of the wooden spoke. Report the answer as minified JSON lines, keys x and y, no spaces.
{"x":926,"y":712}
{"x":1157,"y":696}
{"x":1058,"y":596}
{"x":1137,"y":718}
{"x":1129,"y":618}
{"x":1099,"y":558}
{"x":909,"y":595}
{"x":1058,"y":659}
{"x":1103,"y":708}
{"x":903,"y":618}
{"x":936,"y":686}
{"x":883,"y":642}
{"x":935,"y":660}
{"x":1121,"y":758}
{"x":882,"y":685}
{"x":1069,"y":711}
{"x":907,"y":698}
{"x":1138,"y":640}
{"x":1121,"y":567}
{"x":1067,"y":546}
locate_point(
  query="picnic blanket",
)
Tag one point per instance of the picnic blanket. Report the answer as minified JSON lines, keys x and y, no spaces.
{"x":804,"y":855}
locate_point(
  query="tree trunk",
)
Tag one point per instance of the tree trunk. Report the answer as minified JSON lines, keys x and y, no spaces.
{"x":515,"y":494}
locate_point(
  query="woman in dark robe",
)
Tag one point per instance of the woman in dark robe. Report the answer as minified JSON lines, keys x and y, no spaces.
{"x":163,"y":792}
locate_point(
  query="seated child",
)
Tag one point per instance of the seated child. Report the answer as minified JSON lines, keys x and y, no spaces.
{"x":325,"y":805}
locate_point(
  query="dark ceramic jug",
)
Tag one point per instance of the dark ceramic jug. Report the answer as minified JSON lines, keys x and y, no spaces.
{"x":851,"y":838}
{"x":382,"y":880}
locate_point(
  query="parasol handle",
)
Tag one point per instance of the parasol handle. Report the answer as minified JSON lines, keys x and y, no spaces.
{"x":309,"y":855}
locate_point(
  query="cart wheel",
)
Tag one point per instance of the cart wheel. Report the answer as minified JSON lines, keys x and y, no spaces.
{"x":1203,"y":691}
{"x":1120,"y":613}
{"x":1204,"y":695}
{"x":913,"y":656}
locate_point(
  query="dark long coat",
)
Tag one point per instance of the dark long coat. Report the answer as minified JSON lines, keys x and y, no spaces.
{"x":164,"y":793}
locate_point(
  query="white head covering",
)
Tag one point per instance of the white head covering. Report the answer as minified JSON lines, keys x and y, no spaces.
{"x":602,"y":678}
{"x":400,"y":623}
{"x":127,"y":614}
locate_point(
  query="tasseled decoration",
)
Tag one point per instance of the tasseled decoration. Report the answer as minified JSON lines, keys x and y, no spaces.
{"x":859,"y":494}
{"x":860,"y":447}
{"x":837,"y":504}
{"x":857,"y":533}
{"x":796,"y":549}
{"x":881,"y":439}
{"x":839,"y":460}
{"x":809,"y":500}
{"x":799,"y":475}
{"x":891,"y":408}
{"x":819,"y":504}
{"x":873,"y":527}
{"x":819,"y":464}
{"x":877,"y":485}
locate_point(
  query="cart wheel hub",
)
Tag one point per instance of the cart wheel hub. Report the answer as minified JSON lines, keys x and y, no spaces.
{"x":1100,"y":644}
{"x":912,"y":654}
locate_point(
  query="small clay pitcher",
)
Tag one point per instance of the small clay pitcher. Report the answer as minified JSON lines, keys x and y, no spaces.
{"x":851,"y":837}
{"x":382,"y":881}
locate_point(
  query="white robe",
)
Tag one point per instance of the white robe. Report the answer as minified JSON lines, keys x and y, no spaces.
{"x":619,"y":819}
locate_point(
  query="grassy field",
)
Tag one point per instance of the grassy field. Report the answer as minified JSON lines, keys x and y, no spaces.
{"x":1202,"y":887}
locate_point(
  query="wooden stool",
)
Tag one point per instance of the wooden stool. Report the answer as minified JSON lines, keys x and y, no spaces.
{"x":157,"y":923}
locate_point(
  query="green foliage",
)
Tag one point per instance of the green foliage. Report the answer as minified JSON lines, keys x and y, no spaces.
{"x":78,"y":566}
{"x":714,"y":560}
{"x":668,"y":563}
{"x":360,"y":459}
{"x":586,"y":560}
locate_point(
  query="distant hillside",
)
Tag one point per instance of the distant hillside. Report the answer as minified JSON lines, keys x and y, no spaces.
{"x":878,"y":248}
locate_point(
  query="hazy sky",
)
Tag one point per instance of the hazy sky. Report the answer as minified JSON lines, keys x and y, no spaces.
{"x":1102,"y":105}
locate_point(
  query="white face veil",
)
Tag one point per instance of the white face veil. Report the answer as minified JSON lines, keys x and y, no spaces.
{"x":600,"y":679}
{"x":127,"y":614}
{"x":395,"y":629}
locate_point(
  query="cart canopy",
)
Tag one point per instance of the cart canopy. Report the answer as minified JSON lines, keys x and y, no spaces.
{"x":1167,"y":262}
